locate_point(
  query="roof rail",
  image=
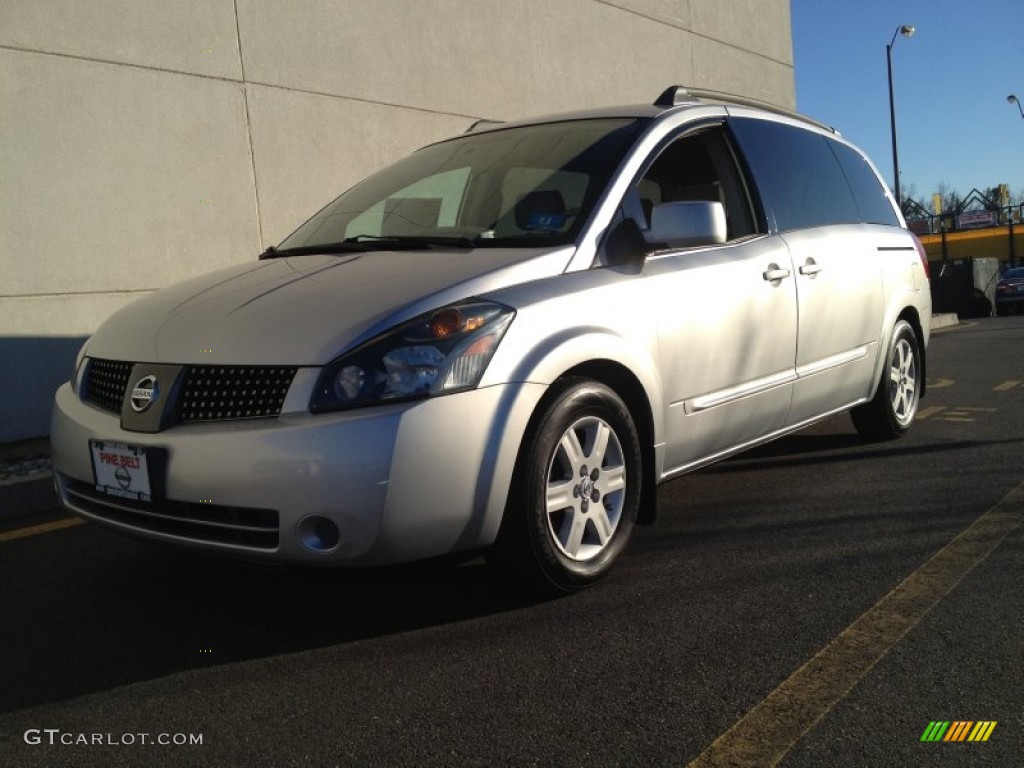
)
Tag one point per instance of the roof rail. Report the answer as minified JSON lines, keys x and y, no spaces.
{"x":482,"y":123}
{"x":677,"y":95}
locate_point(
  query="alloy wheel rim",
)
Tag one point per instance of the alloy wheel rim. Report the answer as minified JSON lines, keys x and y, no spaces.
{"x":903,"y":382}
{"x":585,"y":489}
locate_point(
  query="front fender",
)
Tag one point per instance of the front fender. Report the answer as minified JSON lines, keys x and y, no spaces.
{"x":527,"y":355}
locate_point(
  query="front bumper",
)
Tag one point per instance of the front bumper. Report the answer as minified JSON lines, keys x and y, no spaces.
{"x":401,"y":482}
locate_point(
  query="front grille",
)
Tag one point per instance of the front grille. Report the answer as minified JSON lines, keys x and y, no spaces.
{"x":105,"y":383}
{"x":207,"y":393}
{"x":203,"y":523}
{"x":212,"y":393}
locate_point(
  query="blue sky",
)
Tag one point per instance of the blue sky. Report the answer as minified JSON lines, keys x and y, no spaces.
{"x":951,"y":80}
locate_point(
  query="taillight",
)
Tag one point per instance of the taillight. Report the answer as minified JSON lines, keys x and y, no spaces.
{"x":923,"y":255}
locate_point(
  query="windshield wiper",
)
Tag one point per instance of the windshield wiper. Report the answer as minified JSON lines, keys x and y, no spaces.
{"x":360,"y":243}
{"x":304,"y":250}
{"x":412,"y":241}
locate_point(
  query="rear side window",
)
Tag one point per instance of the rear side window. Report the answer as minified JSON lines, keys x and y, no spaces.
{"x":868,"y":191}
{"x":797,"y":173}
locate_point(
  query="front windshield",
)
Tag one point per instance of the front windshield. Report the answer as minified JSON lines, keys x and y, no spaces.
{"x":527,"y":186}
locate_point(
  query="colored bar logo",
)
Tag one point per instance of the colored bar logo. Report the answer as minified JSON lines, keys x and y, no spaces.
{"x":958,"y":730}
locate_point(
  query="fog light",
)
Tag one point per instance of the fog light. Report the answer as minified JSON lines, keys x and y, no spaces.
{"x":318,"y":533}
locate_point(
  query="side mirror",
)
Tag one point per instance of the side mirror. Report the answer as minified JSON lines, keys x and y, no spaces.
{"x":686,"y":224}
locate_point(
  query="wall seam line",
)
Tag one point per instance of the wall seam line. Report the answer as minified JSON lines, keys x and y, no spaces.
{"x":360,"y":99}
{"x":701,"y":35}
{"x":52,"y":294}
{"x":248,"y":130}
{"x":184,"y":73}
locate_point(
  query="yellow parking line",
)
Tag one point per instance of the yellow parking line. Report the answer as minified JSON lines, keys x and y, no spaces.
{"x":766,"y":733}
{"x":35,"y":530}
{"x":931,"y":410}
{"x":1006,"y":385}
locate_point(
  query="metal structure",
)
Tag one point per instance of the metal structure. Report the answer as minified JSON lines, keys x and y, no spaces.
{"x":976,"y":213}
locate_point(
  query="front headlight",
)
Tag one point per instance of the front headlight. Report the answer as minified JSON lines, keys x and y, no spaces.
{"x":434,"y":354}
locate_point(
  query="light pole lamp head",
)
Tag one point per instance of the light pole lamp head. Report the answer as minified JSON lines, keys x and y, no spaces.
{"x":1012,"y":98}
{"x":904,"y":29}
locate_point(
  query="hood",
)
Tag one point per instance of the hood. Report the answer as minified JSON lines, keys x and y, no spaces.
{"x":306,"y":310}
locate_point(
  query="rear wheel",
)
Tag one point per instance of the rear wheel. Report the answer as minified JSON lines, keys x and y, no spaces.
{"x":576,"y":491}
{"x":891,"y":412}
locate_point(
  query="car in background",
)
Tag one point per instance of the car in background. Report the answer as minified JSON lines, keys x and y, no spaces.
{"x":504,"y":342}
{"x":1010,"y":292}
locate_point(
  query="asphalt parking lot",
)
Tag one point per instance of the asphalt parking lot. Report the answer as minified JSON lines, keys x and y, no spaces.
{"x":818,"y":601}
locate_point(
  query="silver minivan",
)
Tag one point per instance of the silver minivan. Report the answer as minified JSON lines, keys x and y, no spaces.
{"x":504,"y":342}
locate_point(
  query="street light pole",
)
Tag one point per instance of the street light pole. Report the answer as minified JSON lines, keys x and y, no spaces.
{"x":905,"y":30}
{"x":1014,"y":100}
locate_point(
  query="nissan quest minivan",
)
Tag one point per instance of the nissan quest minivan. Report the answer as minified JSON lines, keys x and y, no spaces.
{"x":504,"y":342}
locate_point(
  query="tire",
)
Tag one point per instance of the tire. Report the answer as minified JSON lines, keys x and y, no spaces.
{"x":891,"y":412}
{"x":575,"y":493}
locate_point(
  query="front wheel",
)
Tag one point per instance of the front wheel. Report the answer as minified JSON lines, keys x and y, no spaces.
{"x":576,"y":490}
{"x":891,"y":412}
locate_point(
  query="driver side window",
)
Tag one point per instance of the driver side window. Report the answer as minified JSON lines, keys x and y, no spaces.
{"x":700,"y":166}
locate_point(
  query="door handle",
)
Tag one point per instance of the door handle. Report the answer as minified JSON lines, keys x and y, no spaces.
{"x":810,"y":267}
{"x":774,"y":273}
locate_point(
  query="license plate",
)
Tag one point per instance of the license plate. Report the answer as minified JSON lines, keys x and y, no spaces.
{"x":120,"y":470}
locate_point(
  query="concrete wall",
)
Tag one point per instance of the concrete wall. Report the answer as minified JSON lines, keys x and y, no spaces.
{"x":143,"y":141}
